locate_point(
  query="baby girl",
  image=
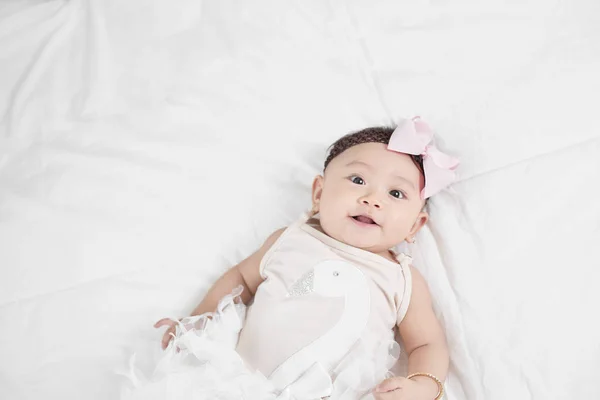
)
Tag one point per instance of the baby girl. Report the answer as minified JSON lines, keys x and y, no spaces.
{"x":326,"y":295}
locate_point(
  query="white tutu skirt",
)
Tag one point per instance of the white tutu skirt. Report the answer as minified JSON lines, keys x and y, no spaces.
{"x":201,"y":363}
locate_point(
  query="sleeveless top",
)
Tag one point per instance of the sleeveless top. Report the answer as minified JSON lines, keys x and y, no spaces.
{"x":320,"y":301}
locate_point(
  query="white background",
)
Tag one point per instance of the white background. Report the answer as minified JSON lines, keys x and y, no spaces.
{"x":146,"y":146}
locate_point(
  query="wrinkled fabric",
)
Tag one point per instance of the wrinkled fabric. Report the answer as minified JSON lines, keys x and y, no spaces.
{"x":146,"y":146}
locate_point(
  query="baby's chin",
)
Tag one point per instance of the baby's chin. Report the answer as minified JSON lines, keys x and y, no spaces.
{"x":376,"y":248}
{"x":362,"y":242}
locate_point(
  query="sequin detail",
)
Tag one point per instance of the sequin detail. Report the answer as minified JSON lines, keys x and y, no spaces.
{"x":303,"y":286}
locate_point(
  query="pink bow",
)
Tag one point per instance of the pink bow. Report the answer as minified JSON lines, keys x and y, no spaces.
{"x":414,"y":136}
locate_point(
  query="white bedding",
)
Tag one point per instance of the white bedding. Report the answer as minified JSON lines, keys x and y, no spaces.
{"x":146,"y":146}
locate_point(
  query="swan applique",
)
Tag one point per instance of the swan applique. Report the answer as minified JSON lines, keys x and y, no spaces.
{"x":305,"y":374}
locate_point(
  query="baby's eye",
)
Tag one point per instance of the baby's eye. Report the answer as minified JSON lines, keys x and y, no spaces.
{"x":357,"y":179}
{"x":397,"y":194}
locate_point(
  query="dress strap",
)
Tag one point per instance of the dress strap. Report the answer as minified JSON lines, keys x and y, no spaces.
{"x":305,"y":216}
{"x":405,"y":262}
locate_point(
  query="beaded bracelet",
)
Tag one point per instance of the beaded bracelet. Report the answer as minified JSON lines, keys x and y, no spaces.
{"x":437,"y":381}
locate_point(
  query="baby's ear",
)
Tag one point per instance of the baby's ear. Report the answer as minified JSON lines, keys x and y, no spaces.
{"x":421,"y":220}
{"x":317,"y":190}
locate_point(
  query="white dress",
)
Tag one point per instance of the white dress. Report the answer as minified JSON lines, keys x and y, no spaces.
{"x":321,"y":325}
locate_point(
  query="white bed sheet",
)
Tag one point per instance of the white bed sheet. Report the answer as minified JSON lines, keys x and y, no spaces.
{"x":146,"y":146}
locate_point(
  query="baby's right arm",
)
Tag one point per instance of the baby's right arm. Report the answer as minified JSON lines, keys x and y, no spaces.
{"x":246,"y":274}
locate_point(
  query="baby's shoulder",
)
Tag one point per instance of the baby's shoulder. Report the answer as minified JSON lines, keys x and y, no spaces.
{"x":420,"y":288}
{"x":272,"y":238}
{"x":418,"y":281}
{"x":269,"y":243}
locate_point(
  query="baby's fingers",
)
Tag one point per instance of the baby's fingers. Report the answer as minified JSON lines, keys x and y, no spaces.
{"x":171,"y":330}
{"x":393,"y":395}
{"x":167,"y":337}
{"x":163,"y":322}
{"x":390,"y":384}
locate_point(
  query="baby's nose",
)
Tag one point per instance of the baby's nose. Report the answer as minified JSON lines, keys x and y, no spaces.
{"x":371,"y":201}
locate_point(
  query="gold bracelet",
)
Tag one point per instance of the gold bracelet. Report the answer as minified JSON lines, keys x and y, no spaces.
{"x":437,"y":381}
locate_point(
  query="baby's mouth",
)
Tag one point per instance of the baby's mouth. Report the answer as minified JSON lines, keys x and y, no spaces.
{"x":364,"y":219}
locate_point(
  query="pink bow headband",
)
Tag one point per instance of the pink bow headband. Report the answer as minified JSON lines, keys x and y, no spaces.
{"x":414,"y":136}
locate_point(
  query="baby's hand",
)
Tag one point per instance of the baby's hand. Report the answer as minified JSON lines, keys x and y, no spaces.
{"x":399,"y":388}
{"x":167,"y":337}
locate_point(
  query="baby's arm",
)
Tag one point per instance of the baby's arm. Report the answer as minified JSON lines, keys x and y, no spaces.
{"x":425,"y":343}
{"x":246,"y":274}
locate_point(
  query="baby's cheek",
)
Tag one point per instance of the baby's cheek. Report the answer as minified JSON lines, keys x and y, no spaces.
{"x":327,"y":222}
{"x":399,"y":227}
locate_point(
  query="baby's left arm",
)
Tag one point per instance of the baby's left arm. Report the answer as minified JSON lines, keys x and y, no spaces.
{"x":425,"y":343}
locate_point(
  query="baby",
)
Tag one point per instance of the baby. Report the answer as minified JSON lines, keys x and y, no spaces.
{"x":326,"y":295}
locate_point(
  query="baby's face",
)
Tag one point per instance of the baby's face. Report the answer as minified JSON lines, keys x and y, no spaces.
{"x":369,"y":197}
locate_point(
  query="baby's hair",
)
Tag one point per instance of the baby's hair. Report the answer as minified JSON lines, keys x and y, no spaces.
{"x":376,"y":134}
